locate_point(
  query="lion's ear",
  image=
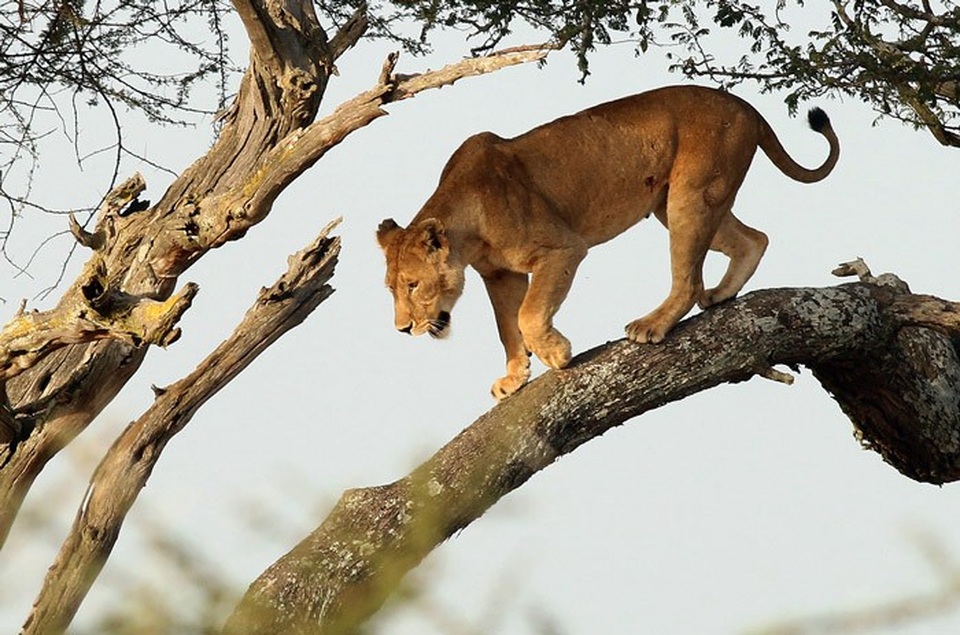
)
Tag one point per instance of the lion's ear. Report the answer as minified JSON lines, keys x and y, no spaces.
{"x":386,"y":232}
{"x":434,"y":236}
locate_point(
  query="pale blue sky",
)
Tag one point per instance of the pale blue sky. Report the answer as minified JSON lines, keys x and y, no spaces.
{"x":744,"y":505}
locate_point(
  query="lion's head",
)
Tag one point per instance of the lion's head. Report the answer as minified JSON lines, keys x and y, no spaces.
{"x":424,"y":284}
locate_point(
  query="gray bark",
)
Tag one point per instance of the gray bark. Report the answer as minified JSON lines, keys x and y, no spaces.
{"x":125,"y":468}
{"x":882,"y":352}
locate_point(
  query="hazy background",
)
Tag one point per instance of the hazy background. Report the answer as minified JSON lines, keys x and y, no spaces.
{"x":744,"y":505}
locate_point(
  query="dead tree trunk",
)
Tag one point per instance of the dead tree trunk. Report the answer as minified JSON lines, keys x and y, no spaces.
{"x":59,"y":368}
{"x":137,"y":258}
{"x":884,"y":354}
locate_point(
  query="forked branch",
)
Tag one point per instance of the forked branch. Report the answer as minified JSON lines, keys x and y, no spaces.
{"x":125,"y":468}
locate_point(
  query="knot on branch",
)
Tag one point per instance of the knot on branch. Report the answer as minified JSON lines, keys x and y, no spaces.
{"x":96,"y":313}
{"x":299,"y":92}
{"x":148,"y":321}
{"x":769,"y":372}
{"x":121,"y":201}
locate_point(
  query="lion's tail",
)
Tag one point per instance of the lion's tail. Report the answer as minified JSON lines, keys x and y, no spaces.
{"x":770,"y":144}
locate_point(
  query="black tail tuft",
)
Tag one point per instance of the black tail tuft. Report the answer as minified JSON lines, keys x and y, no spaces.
{"x":818,"y":119}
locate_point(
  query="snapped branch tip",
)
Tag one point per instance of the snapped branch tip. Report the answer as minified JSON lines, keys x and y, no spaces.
{"x":389,"y":64}
{"x":768,"y":372}
{"x":856,"y":267}
{"x":81,"y":235}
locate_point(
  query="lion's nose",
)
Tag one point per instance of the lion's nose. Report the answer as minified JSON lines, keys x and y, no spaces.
{"x":406,"y":329}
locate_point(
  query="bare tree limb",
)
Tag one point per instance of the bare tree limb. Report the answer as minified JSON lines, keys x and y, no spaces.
{"x":56,"y":398}
{"x":851,"y":336}
{"x":125,"y":468}
{"x":349,"y":33}
{"x":290,"y":159}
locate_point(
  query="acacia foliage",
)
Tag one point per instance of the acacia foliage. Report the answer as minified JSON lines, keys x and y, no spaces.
{"x":901,"y":57}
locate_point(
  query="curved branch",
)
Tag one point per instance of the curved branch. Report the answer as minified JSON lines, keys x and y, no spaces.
{"x":261,"y":30}
{"x":340,"y":574}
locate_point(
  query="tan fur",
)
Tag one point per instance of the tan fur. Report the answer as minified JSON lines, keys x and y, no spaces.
{"x":534,"y":204}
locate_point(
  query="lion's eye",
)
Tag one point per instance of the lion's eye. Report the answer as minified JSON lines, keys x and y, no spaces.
{"x":412,"y":286}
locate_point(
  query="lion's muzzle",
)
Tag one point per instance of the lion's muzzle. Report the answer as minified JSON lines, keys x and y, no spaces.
{"x":440,"y":326}
{"x":437,"y":327}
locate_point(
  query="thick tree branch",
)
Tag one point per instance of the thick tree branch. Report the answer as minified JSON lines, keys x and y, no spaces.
{"x":302,"y":150}
{"x":52,"y":403}
{"x":125,"y":468}
{"x":910,"y":309}
{"x":929,"y":311}
{"x":344,"y":570}
{"x":258,"y":27}
{"x":285,"y":34}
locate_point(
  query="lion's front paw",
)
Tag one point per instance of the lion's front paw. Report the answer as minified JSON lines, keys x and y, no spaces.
{"x":506,"y":386}
{"x":518,"y":372}
{"x":647,"y":330}
{"x":553,"y":349}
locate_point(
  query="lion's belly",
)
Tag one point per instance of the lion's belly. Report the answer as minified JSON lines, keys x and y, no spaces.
{"x":606,"y":215}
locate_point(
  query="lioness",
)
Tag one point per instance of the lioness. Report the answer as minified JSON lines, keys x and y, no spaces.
{"x":536,"y":203}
